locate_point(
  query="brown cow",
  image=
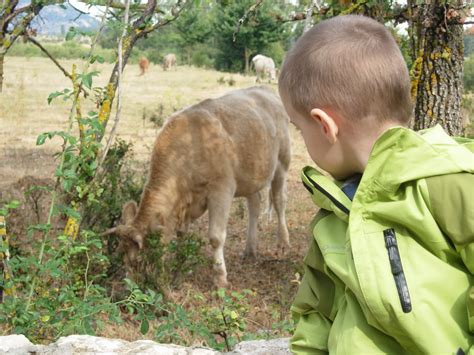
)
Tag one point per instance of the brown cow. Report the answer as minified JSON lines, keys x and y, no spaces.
{"x":144,"y":64}
{"x":169,"y":61}
{"x":203,"y":157}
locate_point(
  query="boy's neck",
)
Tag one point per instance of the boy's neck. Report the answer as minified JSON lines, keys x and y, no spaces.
{"x":358,"y":147}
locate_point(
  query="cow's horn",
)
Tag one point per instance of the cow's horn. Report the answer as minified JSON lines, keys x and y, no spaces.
{"x":109,"y":232}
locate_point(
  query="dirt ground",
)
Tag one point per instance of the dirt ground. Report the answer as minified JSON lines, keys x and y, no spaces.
{"x":25,"y":113}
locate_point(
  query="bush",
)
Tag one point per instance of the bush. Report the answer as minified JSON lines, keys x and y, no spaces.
{"x":64,"y":50}
{"x":469,"y":73}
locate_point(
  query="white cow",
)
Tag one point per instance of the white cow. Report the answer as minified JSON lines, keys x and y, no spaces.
{"x":235,"y":145}
{"x":264,"y":67}
{"x":169,"y":61}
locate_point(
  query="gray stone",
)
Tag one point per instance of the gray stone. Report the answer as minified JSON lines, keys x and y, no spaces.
{"x":263,"y":347}
{"x":16,"y":344}
{"x":89,"y":345}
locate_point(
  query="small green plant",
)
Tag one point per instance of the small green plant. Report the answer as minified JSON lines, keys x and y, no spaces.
{"x":231,"y":81}
{"x":219,"y":326}
{"x":221,"y":80}
{"x":228,"y":318}
{"x":163,"y":266}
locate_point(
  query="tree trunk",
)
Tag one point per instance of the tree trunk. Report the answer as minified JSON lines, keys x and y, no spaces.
{"x":246,"y":59}
{"x":437,"y":72}
{"x":2,"y":58}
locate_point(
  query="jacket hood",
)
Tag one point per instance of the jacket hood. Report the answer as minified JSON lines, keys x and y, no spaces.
{"x":398,"y":156}
{"x":401,"y":155}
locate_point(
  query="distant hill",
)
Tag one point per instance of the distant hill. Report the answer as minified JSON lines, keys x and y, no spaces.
{"x":54,"y":20}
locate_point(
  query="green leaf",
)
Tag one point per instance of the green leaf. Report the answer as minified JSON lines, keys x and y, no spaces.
{"x":12,"y":204}
{"x":41,"y":138}
{"x":145,"y":326}
{"x":87,"y":80}
{"x":53,"y":95}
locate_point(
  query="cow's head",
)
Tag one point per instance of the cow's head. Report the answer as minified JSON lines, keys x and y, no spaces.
{"x":131,"y":238}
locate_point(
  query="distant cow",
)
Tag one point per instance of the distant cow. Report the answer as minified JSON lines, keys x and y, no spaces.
{"x":203,"y":157}
{"x":144,"y":64}
{"x":169,"y":61}
{"x":264,"y":67}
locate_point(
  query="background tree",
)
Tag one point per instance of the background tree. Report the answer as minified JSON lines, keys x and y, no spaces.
{"x":258,"y":32}
{"x":15,"y":20}
{"x":435,"y":34}
{"x":437,"y":75}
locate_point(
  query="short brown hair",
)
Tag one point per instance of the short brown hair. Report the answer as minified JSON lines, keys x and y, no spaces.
{"x":351,"y":64}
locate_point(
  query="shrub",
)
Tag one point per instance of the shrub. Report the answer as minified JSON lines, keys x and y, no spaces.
{"x":469,"y":73}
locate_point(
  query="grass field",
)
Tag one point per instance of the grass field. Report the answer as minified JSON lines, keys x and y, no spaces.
{"x":25,"y":113}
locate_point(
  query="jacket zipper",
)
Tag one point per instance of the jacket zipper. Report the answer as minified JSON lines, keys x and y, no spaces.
{"x":397,"y":269}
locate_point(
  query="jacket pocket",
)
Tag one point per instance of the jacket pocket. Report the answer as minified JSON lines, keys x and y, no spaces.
{"x":397,"y":269}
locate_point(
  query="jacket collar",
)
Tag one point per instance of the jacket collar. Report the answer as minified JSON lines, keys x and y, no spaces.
{"x":398,"y":156}
{"x":326,"y":193}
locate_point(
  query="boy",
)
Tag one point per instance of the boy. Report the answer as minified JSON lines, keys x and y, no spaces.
{"x":389,"y":269}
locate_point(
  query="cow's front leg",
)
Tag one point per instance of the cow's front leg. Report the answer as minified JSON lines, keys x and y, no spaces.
{"x":219,"y":207}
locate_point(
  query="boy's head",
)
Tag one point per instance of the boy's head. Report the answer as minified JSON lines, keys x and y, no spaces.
{"x":350,"y":70}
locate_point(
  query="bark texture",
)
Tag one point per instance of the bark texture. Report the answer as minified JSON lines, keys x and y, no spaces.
{"x":437,"y":73}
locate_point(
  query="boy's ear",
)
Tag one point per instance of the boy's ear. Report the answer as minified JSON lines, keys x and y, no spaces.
{"x":328,"y":124}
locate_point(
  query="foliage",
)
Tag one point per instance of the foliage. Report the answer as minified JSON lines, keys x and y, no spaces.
{"x":219,"y":326}
{"x":162,"y":266}
{"x":468,"y":45}
{"x":64,"y":50}
{"x":469,"y":73}
{"x":66,"y":297}
{"x":260,"y":29}
{"x":117,"y":184}
{"x":468,"y":111}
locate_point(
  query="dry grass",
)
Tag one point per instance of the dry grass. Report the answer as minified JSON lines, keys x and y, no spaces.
{"x":24,"y":114}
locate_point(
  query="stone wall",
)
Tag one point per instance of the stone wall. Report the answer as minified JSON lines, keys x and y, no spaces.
{"x":85,"y":344}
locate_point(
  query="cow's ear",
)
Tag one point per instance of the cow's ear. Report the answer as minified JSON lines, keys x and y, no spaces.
{"x":129,"y":210}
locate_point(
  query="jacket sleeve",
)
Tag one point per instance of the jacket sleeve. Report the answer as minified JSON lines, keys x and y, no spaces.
{"x":452,"y":205}
{"x":312,"y":308}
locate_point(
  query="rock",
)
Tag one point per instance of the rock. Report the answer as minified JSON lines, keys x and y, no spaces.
{"x":263,"y":347}
{"x":85,"y":345}
{"x":16,"y":344}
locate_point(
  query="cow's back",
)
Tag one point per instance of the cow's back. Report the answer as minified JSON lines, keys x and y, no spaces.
{"x":238,"y":138}
{"x":256,"y":126}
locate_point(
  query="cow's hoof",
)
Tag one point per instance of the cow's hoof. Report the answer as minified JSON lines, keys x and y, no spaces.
{"x":221,"y":282}
{"x":249,"y":254}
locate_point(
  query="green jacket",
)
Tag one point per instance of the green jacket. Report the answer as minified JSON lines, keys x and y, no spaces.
{"x":392,"y":270}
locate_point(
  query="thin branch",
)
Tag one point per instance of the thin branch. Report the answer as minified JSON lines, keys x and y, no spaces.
{"x":315,"y":4}
{"x":64,"y":71}
{"x":17,"y":12}
{"x":244,"y":17}
{"x":176,"y":13}
{"x":120,"y":6}
{"x":78,"y":10}
{"x":119,"y":84}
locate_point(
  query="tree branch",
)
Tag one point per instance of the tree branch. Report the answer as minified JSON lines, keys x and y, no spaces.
{"x":177,"y":12}
{"x":119,"y":84}
{"x":64,"y":71}
{"x":121,"y":6}
{"x":244,"y":17}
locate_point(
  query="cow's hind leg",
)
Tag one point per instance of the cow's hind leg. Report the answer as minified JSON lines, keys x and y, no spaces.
{"x":253,"y":204}
{"x":219,"y":204}
{"x":279,"y":202}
